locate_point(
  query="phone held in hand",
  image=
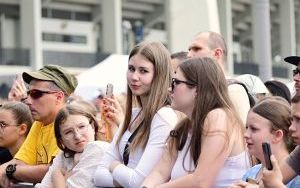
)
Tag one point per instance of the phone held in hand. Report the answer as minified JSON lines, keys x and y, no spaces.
{"x":267,"y":154}
{"x":109,"y":90}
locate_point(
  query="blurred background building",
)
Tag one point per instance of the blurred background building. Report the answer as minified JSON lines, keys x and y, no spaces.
{"x":80,"y":33}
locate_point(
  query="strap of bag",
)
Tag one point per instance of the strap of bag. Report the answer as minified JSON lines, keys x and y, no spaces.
{"x":126,"y":149}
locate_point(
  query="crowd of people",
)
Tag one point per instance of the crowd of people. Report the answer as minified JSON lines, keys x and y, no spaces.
{"x":185,"y":123}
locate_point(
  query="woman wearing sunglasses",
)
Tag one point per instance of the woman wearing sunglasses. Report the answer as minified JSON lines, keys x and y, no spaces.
{"x":75,"y":130}
{"x":15,"y":123}
{"x":206,"y":149}
{"x":140,"y":141}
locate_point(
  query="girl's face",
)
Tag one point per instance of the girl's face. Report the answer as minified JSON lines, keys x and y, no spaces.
{"x":9,"y":130}
{"x":258,"y":131}
{"x":76,"y":132}
{"x":140,"y":75}
{"x":183,"y":95}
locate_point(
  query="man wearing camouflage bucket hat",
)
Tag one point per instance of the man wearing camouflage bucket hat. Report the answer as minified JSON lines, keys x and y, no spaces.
{"x":48,"y":91}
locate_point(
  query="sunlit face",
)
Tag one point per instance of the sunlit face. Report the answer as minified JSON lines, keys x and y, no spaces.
{"x":295,"y":127}
{"x":44,"y":108}
{"x":9,"y":130}
{"x":258,"y":131}
{"x":199,"y":47}
{"x":183,"y":95}
{"x":140,"y":75}
{"x":76,"y":132}
{"x":296,"y":78}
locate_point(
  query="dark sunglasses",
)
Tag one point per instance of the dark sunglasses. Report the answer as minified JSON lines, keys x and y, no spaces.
{"x":175,"y":82}
{"x":36,"y":94}
{"x":296,"y":71}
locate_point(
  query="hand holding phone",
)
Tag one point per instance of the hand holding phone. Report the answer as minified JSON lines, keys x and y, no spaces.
{"x":267,"y":154}
{"x":108,"y":131}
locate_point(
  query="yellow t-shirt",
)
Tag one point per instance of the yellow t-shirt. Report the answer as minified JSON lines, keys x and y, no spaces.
{"x":40,"y":145}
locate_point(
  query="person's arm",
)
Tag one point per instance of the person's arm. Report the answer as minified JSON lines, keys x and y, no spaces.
{"x":58,"y":179}
{"x":47,"y":180}
{"x":291,"y":167}
{"x":102,"y":176}
{"x":31,"y":173}
{"x":91,"y":157}
{"x":215,"y":149}
{"x":127,"y":176}
{"x":162,"y":170}
{"x":23,"y":173}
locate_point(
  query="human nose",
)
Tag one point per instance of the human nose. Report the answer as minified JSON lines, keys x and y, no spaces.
{"x":292,"y":127}
{"x":134,"y":75}
{"x":297,"y":76}
{"x":247,"y":134}
{"x":77,"y":134}
{"x":27,"y":100}
{"x":190,"y":54}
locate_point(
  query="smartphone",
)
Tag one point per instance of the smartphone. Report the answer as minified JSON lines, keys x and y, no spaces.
{"x":267,"y":154}
{"x":109,"y":90}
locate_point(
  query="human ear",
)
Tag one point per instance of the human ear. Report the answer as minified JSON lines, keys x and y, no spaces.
{"x":60,"y":97}
{"x":277,"y":136}
{"x":22,"y":129}
{"x":218,"y":52}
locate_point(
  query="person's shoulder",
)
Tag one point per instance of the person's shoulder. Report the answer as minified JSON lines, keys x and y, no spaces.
{"x":216,"y":113}
{"x":97,"y":144}
{"x":216,"y":120}
{"x":252,"y":172}
{"x":167,"y":114}
{"x":294,"y":183}
{"x":236,"y":87}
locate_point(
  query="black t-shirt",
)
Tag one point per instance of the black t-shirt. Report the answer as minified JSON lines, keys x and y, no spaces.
{"x":5,"y":156}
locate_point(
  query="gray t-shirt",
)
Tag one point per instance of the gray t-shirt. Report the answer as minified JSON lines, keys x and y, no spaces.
{"x":294,"y":160}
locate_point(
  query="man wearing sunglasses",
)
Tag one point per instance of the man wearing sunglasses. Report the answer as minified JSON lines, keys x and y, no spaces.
{"x":211,"y":44}
{"x":295,"y":60}
{"x":48,"y":90}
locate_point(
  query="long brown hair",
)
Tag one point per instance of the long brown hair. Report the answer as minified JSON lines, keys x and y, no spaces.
{"x":212,"y":93}
{"x":158,"y":96}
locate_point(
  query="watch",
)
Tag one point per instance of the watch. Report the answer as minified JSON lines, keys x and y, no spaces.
{"x":10,"y":170}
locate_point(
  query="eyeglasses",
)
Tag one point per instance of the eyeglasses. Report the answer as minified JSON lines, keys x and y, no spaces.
{"x":80,"y":129}
{"x":296,"y":71}
{"x":3,"y":125}
{"x":175,"y":82}
{"x":36,"y":94}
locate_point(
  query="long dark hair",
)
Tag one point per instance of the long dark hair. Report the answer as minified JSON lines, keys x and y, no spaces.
{"x":82,"y":108}
{"x":212,"y":93}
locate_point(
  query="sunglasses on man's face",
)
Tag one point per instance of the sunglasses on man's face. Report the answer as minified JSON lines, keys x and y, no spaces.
{"x":296,"y":71}
{"x":36,"y":94}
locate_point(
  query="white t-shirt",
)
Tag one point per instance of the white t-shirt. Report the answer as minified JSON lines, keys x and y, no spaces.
{"x":83,"y":171}
{"x":141,"y":161}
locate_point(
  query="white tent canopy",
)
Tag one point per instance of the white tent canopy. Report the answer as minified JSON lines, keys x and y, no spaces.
{"x":112,"y":70}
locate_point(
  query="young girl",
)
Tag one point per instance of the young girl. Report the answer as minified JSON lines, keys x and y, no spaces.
{"x":206,"y":149}
{"x":15,"y":123}
{"x":268,"y":121}
{"x":75,"y":130}
{"x":139,"y":143}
